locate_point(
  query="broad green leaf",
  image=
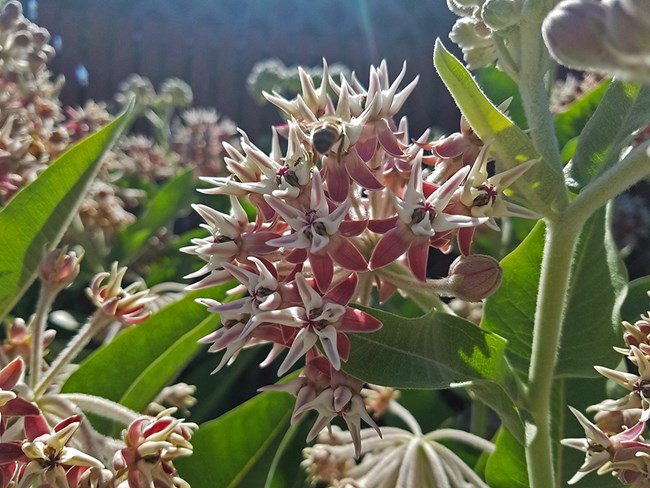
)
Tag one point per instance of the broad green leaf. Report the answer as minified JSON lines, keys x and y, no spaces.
{"x":506,"y":466}
{"x":498,"y":87}
{"x":149,"y":354}
{"x":541,"y":186}
{"x":431,"y":351}
{"x":637,"y":301}
{"x":226,"y":449}
{"x":284,"y":471}
{"x":594,"y":299}
{"x":172,"y":198}
{"x":435,"y":350}
{"x":34,"y":220}
{"x":624,"y":109}
{"x":570,"y":122}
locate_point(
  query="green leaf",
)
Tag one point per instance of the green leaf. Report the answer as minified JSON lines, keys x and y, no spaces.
{"x":149,"y":354}
{"x":284,"y":471}
{"x":33,"y":222}
{"x":506,"y":466}
{"x":594,"y":299}
{"x":541,"y":186}
{"x":498,"y":87}
{"x":226,"y":449}
{"x":637,"y":301}
{"x":570,"y":122}
{"x":174,"y":197}
{"x":624,"y":109}
{"x":436,"y":350}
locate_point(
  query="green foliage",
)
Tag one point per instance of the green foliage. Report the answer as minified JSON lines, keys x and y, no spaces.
{"x":498,"y":87}
{"x":637,"y":301}
{"x":34,"y":221}
{"x":597,"y":288}
{"x":570,"y":122}
{"x":506,"y":466}
{"x":228,"y":448}
{"x":436,"y":350}
{"x":624,"y":108}
{"x":510,"y":146}
{"x":150,"y":355}
{"x":174,"y":197}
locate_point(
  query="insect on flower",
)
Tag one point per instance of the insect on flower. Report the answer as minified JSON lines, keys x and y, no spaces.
{"x":325,"y":135}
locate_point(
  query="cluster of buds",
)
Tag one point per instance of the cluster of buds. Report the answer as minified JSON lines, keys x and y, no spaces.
{"x":615,"y":442}
{"x":198,"y":137}
{"x":347,"y":206}
{"x":272,"y":75}
{"x":483,"y":27}
{"x":609,"y":36}
{"x":400,"y":458}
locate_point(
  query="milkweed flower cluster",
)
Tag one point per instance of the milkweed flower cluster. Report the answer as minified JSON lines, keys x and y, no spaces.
{"x":616,"y":442}
{"x":345,"y":207}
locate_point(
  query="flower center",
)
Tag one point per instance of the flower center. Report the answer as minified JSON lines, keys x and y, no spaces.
{"x":487,"y":196}
{"x":422,"y":211}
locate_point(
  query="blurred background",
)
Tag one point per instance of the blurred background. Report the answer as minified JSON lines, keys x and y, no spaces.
{"x":214,"y":44}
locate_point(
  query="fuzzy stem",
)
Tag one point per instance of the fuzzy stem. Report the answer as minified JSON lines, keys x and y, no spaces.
{"x":534,"y":64}
{"x":96,"y":323}
{"x":551,"y":300}
{"x":102,"y":407}
{"x":43,"y":306}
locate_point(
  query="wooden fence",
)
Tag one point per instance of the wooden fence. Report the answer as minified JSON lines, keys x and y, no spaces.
{"x":213,"y":45}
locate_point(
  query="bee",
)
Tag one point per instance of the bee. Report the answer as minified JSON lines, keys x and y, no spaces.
{"x":325,"y":135}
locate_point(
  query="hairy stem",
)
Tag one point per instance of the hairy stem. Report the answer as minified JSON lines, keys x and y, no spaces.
{"x":534,"y":65}
{"x":95,"y":325}
{"x":43,"y":306}
{"x":555,"y":275}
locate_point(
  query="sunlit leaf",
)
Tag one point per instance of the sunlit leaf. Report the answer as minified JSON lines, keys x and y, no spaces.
{"x":624,"y":109}
{"x":543,"y":185}
{"x":34,"y":221}
{"x":570,"y":122}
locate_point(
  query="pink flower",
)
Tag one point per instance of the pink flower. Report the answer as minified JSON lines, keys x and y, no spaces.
{"x":321,"y":318}
{"x":321,"y":233}
{"x":420,"y":223}
{"x":600,"y":448}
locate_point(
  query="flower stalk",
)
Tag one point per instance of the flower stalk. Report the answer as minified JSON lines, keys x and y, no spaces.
{"x":43,"y":306}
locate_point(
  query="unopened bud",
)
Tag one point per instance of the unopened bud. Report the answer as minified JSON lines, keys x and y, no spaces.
{"x":475,"y":277}
{"x":59,"y":268}
{"x":573,"y":32}
{"x":177,"y":91}
{"x":501,"y":14}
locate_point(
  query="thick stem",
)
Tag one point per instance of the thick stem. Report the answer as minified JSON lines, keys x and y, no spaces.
{"x":95,"y":325}
{"x":551,"y":300}
{"x":534,"y":64}
{"x":39,"y":322}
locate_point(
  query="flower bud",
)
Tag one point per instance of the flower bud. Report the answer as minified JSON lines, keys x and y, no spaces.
{"x":59,"y":268}
{"x":475,"y":277}
{"x":625,"y":32}
{"x":573,"y":33}
{"x":501,"y":14}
